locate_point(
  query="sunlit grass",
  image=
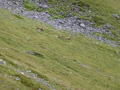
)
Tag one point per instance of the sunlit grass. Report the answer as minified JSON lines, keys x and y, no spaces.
{"x":79,"y":63}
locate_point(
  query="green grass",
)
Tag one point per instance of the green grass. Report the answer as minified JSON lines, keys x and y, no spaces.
{"x":18,"y":16}
{"x":79,"y":63}
{"x":29,"y":5}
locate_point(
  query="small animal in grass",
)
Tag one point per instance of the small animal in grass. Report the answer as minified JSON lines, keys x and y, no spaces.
{"x":40,"y":29}
{"x":65,"y":38}
{"x":61,"y":36}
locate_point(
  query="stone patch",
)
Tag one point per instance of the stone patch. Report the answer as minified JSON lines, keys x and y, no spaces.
{"x":2,"y":62}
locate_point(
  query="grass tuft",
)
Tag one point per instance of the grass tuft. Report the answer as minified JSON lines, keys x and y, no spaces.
{"x":18,"y":16}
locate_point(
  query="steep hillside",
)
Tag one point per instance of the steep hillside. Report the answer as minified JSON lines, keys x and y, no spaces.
{"x":104,"y":14}
{"x":32,"y":59}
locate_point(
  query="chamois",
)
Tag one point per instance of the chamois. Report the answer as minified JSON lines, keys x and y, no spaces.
{"x":61,"y":36}
{"x":40,"y":29}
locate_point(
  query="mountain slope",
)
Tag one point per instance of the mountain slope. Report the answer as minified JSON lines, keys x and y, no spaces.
{"x":31,"y":59}
{"x":102,"y":13}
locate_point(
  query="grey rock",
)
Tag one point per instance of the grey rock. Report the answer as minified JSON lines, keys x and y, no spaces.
{"x":117,"y":52}
{"x":89,"y":11}
{"x":85,"y":66}
{"x":116,"y":16}
{"x":2,"y":62}
{"x":34,"y":75}
{"x":36,"y":17}
{"x":82,"y":25}
{"x":17,"y":78}
{"x":16,"y":3}
{"x":43,"y":6}
{"x":107,"y":26}
{"x":28,"y":71}
{"x":61,"y":13}
{"x":17,"y":89}
{"x":22,"y":73}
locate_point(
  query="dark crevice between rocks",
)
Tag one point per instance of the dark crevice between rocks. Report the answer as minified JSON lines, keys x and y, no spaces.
{"x":36,"y":54}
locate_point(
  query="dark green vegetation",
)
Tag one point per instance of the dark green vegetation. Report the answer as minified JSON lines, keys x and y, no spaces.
{"x":79,"y":63}
{"x":29,"y":5}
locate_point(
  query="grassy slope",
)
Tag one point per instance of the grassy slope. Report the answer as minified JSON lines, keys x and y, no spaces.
{"x":79,"y":63}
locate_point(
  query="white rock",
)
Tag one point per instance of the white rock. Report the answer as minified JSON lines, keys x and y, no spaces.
{"x":22,"y":72}
{"x":4,"y":62}
{"x":89,"y":11}
{"x":36,"y":17}
{"x":82,"y":25}
{"x":97,"y":42}
{"x":1,"y":60}
{"x":28,"y":71}
{"x":17,"y":89}
{"x":16,"y":3}
{"x":117,"y":52}
{"x":44,"y":6}
{"x":17,"y":78}
{"x":115,"y":16}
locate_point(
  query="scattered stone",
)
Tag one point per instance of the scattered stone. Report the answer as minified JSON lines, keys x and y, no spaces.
{"x":107,"y":26}
{"x":17,"y":78}
{"x":22,"y":73}
{"x":61,"y":13}
{"x":97,"y":42}
{"x":34,"y":75}
{"x":32,"y":53}
{"x":117,"y":52}
{"x":36,"y":17}
{"x":17,"y":89}
{"x":116,"y":16}
{"x":6,"y":48}
{"x":10,"y":67}
{"x":85,"y":66}
{"x":16,"y":3}
{"x":89,"y":11}
{"x":28,"y":71}
{"x":11,"y":76}
{"x":43,"y":6}
{"x":82,"y":25}
{"x":2,"y":62}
